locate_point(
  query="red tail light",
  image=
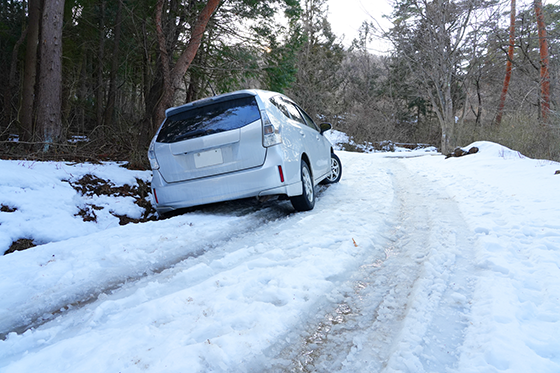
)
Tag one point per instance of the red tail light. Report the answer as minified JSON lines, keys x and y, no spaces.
{"x":155,"y":195}
{"x":281,"y":174}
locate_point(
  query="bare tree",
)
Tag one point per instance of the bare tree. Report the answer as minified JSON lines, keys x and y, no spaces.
{"x":509,"y":64}
{"x":429,"y":35}
{"x":543,"y":47}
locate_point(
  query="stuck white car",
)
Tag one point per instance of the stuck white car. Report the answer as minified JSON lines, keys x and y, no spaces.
{"x":249,"y":143}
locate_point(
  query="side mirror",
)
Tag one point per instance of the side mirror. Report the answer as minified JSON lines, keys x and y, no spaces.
{"x":325,"y":127}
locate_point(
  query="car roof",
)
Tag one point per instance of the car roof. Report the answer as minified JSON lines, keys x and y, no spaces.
{"x":220,"y":98}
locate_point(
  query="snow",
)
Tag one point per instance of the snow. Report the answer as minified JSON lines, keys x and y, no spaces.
{"x":412,"y":263}
{"x":340,"y":141}
{"x":46,"y":206}
{"x":338,"y":138}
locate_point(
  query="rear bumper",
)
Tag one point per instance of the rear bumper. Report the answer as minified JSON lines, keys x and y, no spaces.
{"x":258,"y":181}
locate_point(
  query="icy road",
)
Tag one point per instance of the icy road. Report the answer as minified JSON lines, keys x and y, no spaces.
{"x":412,"y":263}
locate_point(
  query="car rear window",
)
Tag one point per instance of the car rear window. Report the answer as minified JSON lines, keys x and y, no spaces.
{"x":209,"y":119}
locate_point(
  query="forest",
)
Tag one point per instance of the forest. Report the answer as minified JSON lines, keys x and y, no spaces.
{"x":90,"y":80}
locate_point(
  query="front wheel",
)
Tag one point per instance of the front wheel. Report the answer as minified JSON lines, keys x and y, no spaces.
{"x":336,"y":170}
{"x":306,"y":201}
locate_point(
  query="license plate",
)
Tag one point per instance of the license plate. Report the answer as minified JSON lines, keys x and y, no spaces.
{"x":209,"y":158}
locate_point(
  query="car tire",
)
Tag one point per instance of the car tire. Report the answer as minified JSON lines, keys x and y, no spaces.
{"x":336,"y":170}
{"x":306,"y":201}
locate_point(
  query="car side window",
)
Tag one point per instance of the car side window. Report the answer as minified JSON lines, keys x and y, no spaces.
{"x":281,"y":106}
{"x":294,"y":113}
{"x":308,"y":121}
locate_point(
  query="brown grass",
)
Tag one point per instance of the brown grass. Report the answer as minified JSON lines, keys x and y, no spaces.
{"x":522,"y":133}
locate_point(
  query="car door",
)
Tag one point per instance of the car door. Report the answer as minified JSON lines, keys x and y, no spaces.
{"x":322,"y":163}
{"x":312,"y":140}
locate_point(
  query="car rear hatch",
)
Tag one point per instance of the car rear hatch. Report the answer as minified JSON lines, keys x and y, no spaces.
{"x":210,"y":137}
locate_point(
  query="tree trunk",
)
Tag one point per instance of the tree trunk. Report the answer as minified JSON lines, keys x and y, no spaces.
{"x":543,"y":47}
{"x":110,"y":109}
{"x":30,"y":70}
{"x":167,"y":94}
{"x":49,"y":95}
{"x":99,"y":101}
{"x":173,"y":79}
{"x":9,"y":104}
{"x":509,"y":64}
{"x":448,"y":122}
{"x":82,"y":93}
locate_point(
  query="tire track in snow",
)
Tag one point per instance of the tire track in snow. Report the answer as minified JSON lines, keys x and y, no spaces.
{"x":438,"y":307}
{"x":224,"y":309}
{"x":236,"y":307}
{"x":407,"y":311}
{"x":251,"y":217}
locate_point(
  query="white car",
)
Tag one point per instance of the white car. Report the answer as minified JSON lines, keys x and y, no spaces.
{"x":249,"y":143}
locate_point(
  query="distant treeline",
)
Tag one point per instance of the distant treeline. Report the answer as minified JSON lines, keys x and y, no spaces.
{"x":92,"y":78}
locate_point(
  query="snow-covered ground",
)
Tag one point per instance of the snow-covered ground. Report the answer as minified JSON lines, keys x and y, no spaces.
{"x":412,"y":263}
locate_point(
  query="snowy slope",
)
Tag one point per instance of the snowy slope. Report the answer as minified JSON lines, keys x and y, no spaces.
{"x":45,"y":205}
{"x":511,"y":203}
{"x":412,"y":263}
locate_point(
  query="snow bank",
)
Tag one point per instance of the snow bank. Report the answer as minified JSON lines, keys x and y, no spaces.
{"x":46,"y":205}
{"x":511,"y":203}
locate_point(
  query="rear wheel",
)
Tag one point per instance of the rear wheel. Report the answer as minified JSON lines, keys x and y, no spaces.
{"x":336,"y":170}
{"x":306,"y":201}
